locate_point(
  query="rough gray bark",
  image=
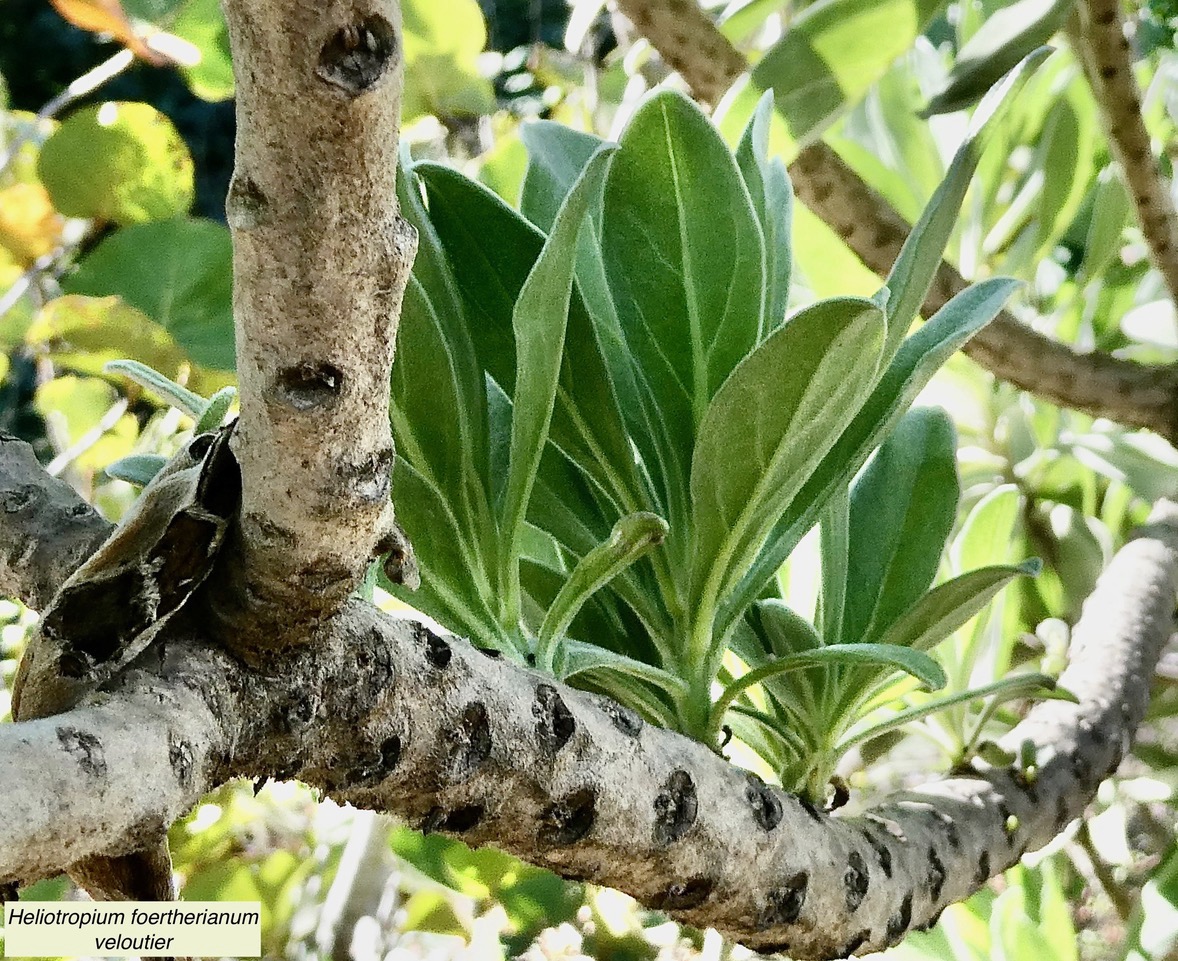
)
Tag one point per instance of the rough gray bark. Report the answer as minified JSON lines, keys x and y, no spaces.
{"x":321,"y":259}
{"x":1137,"y":395}
{"x":46,"y":530}
{"x":387,"y":715}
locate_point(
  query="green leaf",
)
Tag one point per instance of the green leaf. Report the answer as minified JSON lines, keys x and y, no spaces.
{"x":920,"y":356}
{"x":120,"y":162}
{"x":989,"y":530}
{"x":556,"y":156}
{"x":632,"y":537}
{"x":587,"y":422}
{"x":1012,"y":32}
{"x":580,"y":658}
{"x":948,"y":606}
{"x":202,"y":24}
{"x":913,"y":662}
{"x":496,"y":251}
{"x":564,"y":504}
{"x":439,"y":401}
{"x":902,"y":510}
{"x":753,"y":457}
{"x":1065,"y":139}
{"x":442,"y":41}
{"x":772,"y":195}
{"x":84,"y":333}
{"x":137,"y":469}
{"x":1110,"y":213}
{"x":912,"y":274}
{"x":684,"y":262}
{"x":539,"y":320}
{"x":179,"y":397}
{"x":179,"y":273}
{"x":836,"y":547}
{"x":831,"y":54}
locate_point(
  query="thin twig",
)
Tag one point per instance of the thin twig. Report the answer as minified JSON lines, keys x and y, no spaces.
{"x":88,"y":439}
{"x":1121,"y":902}
{"x":84,"y":85}
{"x":1097,"y":35}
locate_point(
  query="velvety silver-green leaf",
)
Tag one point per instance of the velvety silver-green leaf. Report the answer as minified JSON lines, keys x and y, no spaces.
{"x":1010,"y":34}
{"x":920,"y":356}
{"x":835,"y":544}
{"x":137,"y":469}
{"x":902,"y":510}
{"x":948,"y":606}
{"x":753,"y":456}
{"x":1006,"y":689}
{"x":650,"y":702}
{"x":684,"y":261}
{"x":912,"y":274}
{"x":439,"y":405}
{"x":772,"y":196}
{"x":889,"y":659}
{"x":587,"y":423}
{"x":455,"y":590}
{"x":215,"y":410}
{"x":632,"y":537}
{"x":539,"y":320}
{"x":783,"y":630}
{"x":166,"y":389}
{"x":579,"y":657}
{"x":556,"y":156}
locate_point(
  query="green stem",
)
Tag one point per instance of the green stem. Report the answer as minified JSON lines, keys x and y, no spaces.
{"x":1007,"y":686}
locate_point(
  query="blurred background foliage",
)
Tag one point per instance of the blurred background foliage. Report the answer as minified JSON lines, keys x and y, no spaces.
{"x":116,"y":133}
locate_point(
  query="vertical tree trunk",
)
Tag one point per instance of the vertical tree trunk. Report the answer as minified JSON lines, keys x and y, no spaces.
{"x":321,"y":259}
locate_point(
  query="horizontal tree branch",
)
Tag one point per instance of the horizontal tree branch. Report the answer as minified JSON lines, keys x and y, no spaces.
{"x":385,"y":714}
{"x":1137,"y":395}
{"x":46,"y":529}
{"x":1133,"y":394}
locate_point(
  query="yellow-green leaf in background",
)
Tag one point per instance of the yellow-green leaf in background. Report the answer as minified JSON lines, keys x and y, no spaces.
{"x":120,"y":162}
{"x":443,"y":39}
{"x":430,"y":910}
{"x":84,"y":333}
{"x":833,"y":52}
{"x":503,"y":167}
{"x":23,"y":133}
{"x":202,"y":24}
{"x":75,"y":406}
{"x":29,"y":225}
{"x":179,"y":273}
